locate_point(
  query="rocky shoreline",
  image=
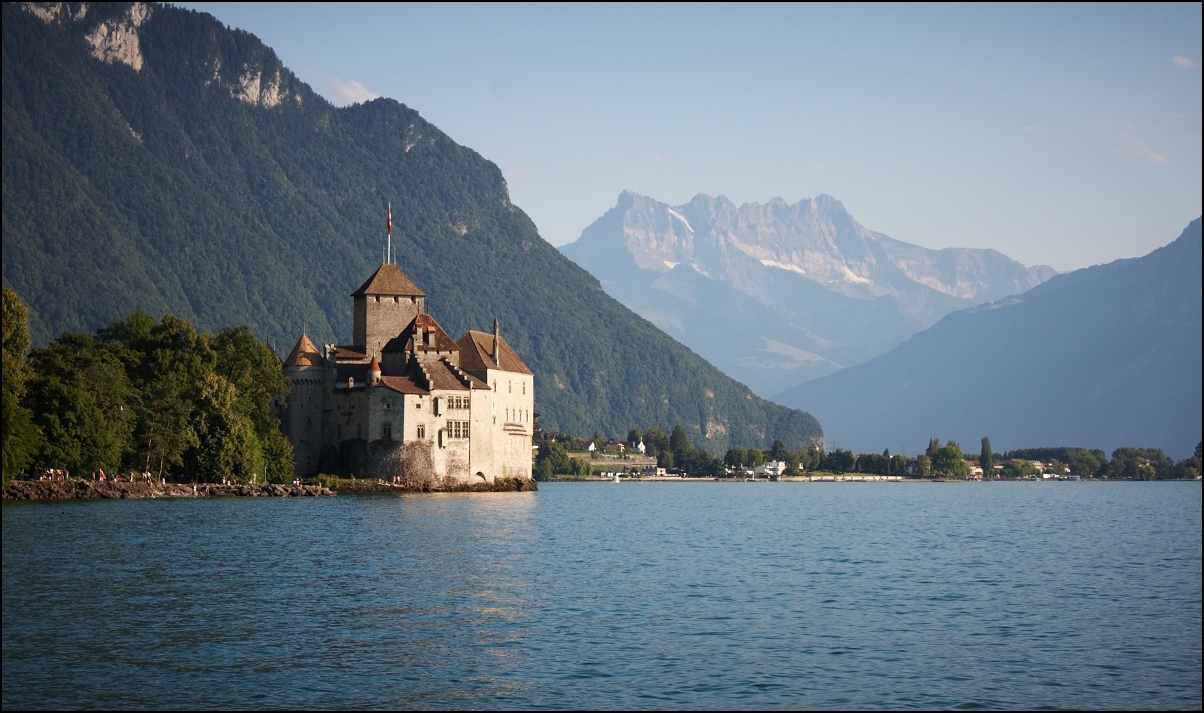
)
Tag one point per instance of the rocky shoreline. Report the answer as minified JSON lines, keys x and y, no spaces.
{"x":108,"y":490}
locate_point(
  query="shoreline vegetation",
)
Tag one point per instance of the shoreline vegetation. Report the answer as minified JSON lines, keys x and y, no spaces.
{"x":69,"y":489}
{"x":656,"y":454}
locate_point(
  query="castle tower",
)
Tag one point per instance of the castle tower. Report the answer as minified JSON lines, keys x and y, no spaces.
{"x":305,"y":368}
{"x":383,"y":306}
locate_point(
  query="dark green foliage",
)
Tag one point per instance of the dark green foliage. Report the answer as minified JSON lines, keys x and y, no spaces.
{"x":84,"y":404}
{"x":986,"y":458}
{"x":948,"y":460}
{"x":839,"y":461}
{"x":160,"y":397}
{"x":21,"y":438}
{"x":158,"y":190}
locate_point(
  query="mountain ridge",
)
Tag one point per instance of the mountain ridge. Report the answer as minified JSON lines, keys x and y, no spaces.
{"x":831,"y":293}
{"x":1101,"y":357}
{"x":198,"y":176}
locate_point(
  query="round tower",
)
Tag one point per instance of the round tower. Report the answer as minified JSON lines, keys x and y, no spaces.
{"x":305,"y":368}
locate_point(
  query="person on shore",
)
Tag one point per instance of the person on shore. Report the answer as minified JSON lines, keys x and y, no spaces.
{"x":102,"y":475}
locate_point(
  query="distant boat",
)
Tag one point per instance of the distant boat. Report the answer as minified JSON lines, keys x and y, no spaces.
{"x":614,"y":477}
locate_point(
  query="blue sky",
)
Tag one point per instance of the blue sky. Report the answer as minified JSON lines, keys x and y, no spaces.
{"x":1067,"y":135}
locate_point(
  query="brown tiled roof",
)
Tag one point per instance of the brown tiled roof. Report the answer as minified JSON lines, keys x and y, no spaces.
{"x":304,"y":354}
{"x":423,"y":322}
{"x":389,"y":280}
{"x":476,"y":353}
{"x":349,"y":352}
{"x":443,"y":378}
{"x":403,"y":385}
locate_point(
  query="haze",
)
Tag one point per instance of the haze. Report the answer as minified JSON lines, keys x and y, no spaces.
{"x":1065,"y":135}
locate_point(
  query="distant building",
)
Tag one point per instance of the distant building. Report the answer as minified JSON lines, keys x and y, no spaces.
{"x":773,"y":467}
{"x":404,"y":380}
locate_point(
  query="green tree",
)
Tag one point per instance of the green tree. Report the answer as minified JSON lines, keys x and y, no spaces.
{"x":734,"y":457}
{"x":924,"y":466}
{"x":679,"y":442}
{"x":555,"y":456}
{"x":657,"y":442}
{"x":83,"y":403}
{"x":778,"y":451}
{"x":754,"y":457}
{"x":948,"y":461}
{"x":986,"y":459}
{"x":228,"y":446}
{"x":21,"y":438}
{"x":898,"y":465}
{"x":166,"y":427}
{"x":635,"y":436}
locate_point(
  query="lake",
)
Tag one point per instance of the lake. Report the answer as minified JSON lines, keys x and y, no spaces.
{"x":600,"y":595}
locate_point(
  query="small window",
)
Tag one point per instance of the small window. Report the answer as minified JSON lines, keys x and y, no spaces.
{"x":524,"y":387}
{"x":386,"y":432}
{"x":422,"y":431}
{"x":418,"y":404}
{"x":510,"y":386}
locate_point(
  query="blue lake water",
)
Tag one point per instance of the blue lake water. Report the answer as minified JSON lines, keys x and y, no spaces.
{"x":669,"y":595}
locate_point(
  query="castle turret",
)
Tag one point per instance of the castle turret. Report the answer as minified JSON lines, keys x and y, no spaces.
{"x":383,"y":306}
{"x":305,"y":368}
{"x":373,"y":371}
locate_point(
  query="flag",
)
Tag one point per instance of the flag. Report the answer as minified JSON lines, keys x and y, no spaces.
{"x":390,"y":221}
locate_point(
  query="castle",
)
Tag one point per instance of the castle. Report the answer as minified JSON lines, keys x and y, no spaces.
{"x":403,"y":381}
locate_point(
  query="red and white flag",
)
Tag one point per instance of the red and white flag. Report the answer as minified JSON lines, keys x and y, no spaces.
{"x":390,"y":221}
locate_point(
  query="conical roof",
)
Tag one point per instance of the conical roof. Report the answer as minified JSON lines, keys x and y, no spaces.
{"x":389,"y":280}
{"x":304,"y":354}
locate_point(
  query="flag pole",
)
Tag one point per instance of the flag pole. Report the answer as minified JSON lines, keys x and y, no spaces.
{"x":389,"y":249}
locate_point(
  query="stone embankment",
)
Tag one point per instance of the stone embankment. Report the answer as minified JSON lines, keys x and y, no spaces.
{"x":108,"y":490}
{"x":500,"y":485}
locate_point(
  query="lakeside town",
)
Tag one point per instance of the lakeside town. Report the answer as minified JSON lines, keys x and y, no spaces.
{"x":657,"y":456}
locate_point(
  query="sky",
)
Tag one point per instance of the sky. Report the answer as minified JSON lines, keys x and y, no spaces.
{"x":1066,"y":135}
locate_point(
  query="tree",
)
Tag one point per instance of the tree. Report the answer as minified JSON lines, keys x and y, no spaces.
{"x":679,"y":442}
{"x":924,"y":466}
{"x":83,"y":402}
{"x":734,"y":457}
{"x":656,"y":441}
{"x":635,"y":436}
{"x":948,"y":461}
{"x":229,"y":448}
{"x":778,"y":451}
{"x":554,"y":456}
{"x":839,"y":460}
{"x":21,"y":438}
{"x":986,"y":459}
{"x":754,"y":457}
{"x":898,"y":465}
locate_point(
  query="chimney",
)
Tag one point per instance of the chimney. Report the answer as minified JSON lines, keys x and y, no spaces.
{"x":497,"y":337}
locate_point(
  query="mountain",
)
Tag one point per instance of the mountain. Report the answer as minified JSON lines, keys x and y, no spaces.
{"x":778,"y":294}
{"x":1103,"y":357}
{"x":156,"y":159}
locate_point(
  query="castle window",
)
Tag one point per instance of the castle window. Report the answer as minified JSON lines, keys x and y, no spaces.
{"x":457,"y":429}
{"x":386,"y":432}
{"x":422,"y":431}
{"x":418,"y":404}
{"x":524,"y":387}
{"x":510,"y":387}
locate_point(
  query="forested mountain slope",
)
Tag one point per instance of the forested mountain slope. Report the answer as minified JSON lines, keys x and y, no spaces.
{"x":155,"y":159}
{"x":1104,"y":357}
